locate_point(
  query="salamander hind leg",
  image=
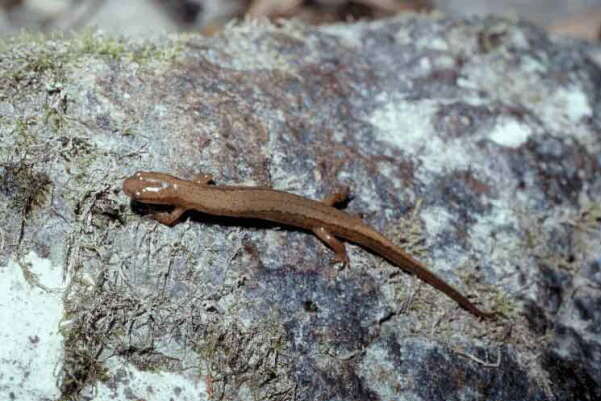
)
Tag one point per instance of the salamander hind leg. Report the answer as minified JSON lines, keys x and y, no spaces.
{"x":333,"y":243}
{"x":203,"y":179}
{"x":342,"y":195}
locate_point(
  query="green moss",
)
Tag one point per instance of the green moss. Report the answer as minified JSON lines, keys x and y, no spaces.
{"x":35,"y":70}
{"x":41,"y":61}
{"x":589,"y":217}
{"x":495,"y":299}
{"x":91,"y":44}
{"x":53,"y":118}
{"x":21,"y":127}
{"x":502,"y":304}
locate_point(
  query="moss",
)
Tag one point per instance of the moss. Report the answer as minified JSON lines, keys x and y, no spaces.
{"x":99,"y":319}
{"x":89,"y":43}
{"x":82,"y":348}
{"x":493,"y":296}
{"x":28,"y":189}
{"x":40,"y":61}
{"x":502,"y":304}
{"x":238,"y":359}
{"x":577,"y":225}
{"x":589,"y":217}
{"x":81,"y":364}
{"x":27,"y":58}
{"x":34,"y":70}
{"x":408,"y":233}
{"x":54,"y":118}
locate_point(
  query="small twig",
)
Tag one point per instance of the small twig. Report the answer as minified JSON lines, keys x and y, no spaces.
{"x":436,"y":323}
{"x":480,"y":361}
{"x":409,"y":299}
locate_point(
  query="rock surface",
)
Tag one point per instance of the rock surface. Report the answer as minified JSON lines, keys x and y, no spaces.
{"x":474,"y":144}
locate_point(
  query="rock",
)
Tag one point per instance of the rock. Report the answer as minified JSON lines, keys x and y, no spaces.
{"x":473,"y":143}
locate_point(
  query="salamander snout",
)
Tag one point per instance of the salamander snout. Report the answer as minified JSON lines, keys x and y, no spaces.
{"x":150,"y":187}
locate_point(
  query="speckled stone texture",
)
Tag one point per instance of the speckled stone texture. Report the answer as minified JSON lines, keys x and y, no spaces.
{"x":474,"y":144}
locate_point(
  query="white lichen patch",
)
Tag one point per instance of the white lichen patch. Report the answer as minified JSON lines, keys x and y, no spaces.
{"x":559,"y":108}
{"x":437,"y":44}
{"x":31,"y":346}
{"x":510,"y":133}
{"x":133,"y":384}
{"x":407,"y":125}
{"x":534,"y":66}
{"x":568,"y":106}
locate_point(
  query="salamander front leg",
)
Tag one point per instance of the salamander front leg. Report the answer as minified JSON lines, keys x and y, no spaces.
{"x":169,"y":218}
{"x":333,"y":243}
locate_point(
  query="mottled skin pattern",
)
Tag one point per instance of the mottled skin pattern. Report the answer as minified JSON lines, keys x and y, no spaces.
{"x":322,"y":218}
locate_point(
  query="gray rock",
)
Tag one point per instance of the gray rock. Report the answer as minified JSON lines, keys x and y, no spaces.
{"x":472,"y":143}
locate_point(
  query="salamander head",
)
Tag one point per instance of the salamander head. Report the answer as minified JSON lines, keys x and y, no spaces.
{"x":151,"y":187}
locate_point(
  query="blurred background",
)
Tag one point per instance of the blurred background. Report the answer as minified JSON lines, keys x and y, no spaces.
{"x":577,"y":18}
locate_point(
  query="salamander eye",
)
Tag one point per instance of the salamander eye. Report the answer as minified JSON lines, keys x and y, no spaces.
{"x":154,"y":185}
{"x":150,"y":187}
